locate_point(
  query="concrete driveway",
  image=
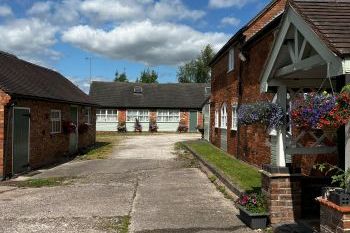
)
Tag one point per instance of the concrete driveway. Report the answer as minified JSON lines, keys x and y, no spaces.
{"x":141,"y":180}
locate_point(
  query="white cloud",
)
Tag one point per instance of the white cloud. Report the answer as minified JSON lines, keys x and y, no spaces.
{"x":5,"y":11}
{"x":167,"y":9}
{"x":59,"y":13}
{"x":105,"y":10}
{"x":29,"y":38}
{"x":231,"y":21}
{"x":228,"y":3}
{"x":145,"y":41}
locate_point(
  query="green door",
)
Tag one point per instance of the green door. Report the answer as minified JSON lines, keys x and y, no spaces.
{"x":73,"y":137}
{"x":193,"y":121}
{"x":21,"y":124}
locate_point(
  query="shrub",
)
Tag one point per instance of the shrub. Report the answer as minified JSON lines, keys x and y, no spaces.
{"x":153,"y":127}
{"x":137,"y":126}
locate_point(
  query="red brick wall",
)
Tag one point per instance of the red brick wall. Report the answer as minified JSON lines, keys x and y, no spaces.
{"x":4,"y":99}
{"x":253,"y":140}
{"x":274,"y":10}
{"x":47,"y":148}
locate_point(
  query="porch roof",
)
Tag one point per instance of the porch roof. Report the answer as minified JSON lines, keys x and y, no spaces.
{"x":330,"y":20}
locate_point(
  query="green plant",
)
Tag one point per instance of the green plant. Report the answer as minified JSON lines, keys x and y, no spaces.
{"x":212,"y":178}
{"x":254,"y":202}
{"x":122,"y":127}
{"x":339,"y":177}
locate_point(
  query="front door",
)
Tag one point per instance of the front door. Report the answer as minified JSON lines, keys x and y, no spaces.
{"x":73,"y":137}
{"x":21,"y":128}
{"x":193,"y":121}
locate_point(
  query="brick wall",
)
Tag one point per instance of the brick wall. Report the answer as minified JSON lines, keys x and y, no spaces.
{"x":4,"y":99}
{"x":253,"y":141}
{"x":47,"y":148}
{"x":266,"y":17}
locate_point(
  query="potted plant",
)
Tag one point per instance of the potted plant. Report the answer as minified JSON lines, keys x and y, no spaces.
{"x":182,"y":128}
{"x":200,"y":129}
{"x":340,"y":194}
{"x":153,"y":127}
{"x":315,"y":111}
{"x":137,"y":126}
{"x":269,"y":114}
{"x":253,"y":210}
{"x":121,"y":127}
{"x":68,"y":127}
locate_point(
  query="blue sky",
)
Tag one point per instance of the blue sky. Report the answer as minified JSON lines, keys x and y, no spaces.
{"x":128,"y":35}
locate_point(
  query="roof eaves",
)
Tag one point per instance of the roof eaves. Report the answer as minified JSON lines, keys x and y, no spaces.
{"x":314,"y":28}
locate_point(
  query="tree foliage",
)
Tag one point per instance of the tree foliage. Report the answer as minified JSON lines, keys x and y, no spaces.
{"x":120,"y":77}
{"x":197,"y":70}
{"x":148,"y":76}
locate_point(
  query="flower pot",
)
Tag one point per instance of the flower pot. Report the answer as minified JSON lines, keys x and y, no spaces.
{"x":254,"y":221}
{"x":339,"y":197}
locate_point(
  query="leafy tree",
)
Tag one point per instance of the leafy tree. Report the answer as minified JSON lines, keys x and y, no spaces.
{"x":120,"y":77}
{"x":197,"y":70}
{"x":148,"y":76}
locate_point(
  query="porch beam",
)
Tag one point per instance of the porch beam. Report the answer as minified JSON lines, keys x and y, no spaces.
{"x":300,"y":83}
{"x":304,"y":64}
{"x":311,"y":150}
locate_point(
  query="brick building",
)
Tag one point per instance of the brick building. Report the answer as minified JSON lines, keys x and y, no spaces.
{"x":166,"y":104}
{"x":236,"y":70}
{"x":289,"y":49}
{"x":43,"y":116}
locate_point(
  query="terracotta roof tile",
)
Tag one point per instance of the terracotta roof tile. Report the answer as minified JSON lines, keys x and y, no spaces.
{"x":330,"y":19}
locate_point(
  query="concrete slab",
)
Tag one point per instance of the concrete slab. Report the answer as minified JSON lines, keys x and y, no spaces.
{"x":182,"y":201}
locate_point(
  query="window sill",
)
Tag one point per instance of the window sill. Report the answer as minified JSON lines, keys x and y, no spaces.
{"x":234,"y":129}
{"x":53,"y":133}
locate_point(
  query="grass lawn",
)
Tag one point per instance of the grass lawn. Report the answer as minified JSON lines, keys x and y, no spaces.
{"x":246,"y":177}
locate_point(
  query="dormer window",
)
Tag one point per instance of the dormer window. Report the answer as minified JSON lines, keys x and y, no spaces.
{"x":231,"y":59}
{"x":138,"y":90}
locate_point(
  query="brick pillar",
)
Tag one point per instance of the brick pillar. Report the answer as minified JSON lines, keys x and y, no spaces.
{"x":283,"y":192}
{"x":334,"y":218}
{"x":122,"y":115}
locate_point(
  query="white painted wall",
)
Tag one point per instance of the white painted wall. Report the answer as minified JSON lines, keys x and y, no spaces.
{"x":167,"y":126}
{"x":106,"y":126}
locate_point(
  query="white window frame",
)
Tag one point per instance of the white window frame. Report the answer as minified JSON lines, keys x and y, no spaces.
{"x":87,"y":115}
{"x":223,"y":122}
{"x":103,"y":113}
{"x":216,"y":119}
{"x":231,"y":60}
{"x":138,"y":115}
{"x":234,"y":123}
{"x":166,"y":113}
{"x":53,"y":120}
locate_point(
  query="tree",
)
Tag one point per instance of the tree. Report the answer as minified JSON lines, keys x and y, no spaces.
{"x":148,"y":76}
{"x":197,"y":70}
{"x":120,"y":77}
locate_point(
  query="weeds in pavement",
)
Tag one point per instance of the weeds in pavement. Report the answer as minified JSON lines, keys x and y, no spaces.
{"x":120,"y":225}
{"x":41,"y":182}
{"x":183,"y":155}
